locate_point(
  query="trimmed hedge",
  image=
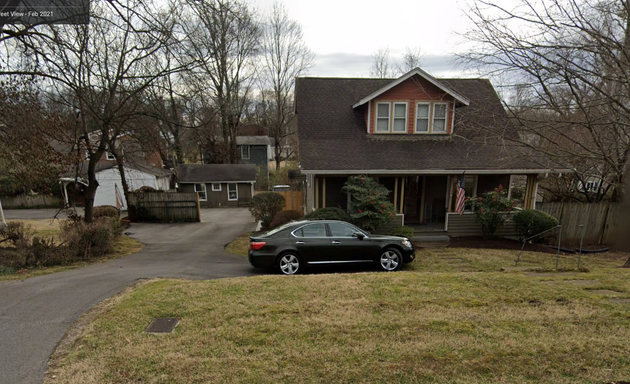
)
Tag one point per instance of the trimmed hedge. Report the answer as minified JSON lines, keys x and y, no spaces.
{"x":106,"y":211}
{"x":329,"y":214}
{"x":402,"y":231}
{"x":265,"y":206}
{"x":531,"y":222}
{"x":285,"y":217}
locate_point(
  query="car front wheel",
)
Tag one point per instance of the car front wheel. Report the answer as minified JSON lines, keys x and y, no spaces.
{"x":390,"y":260}
{"x":289,"y":264}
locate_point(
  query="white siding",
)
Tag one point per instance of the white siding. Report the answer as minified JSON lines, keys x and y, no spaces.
{"x":109,"y":178}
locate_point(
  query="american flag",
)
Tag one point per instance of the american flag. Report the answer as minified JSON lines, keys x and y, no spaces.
{"x":461,"y":196}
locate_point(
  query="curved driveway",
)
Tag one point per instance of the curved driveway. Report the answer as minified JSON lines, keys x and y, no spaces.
{"x":35,"y":313}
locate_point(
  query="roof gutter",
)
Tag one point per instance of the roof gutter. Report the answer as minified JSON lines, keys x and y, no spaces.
{"x":435,"y":172}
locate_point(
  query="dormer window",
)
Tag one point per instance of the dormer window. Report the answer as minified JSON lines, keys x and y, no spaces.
{"x":431,"y":117}
{"x":400,"y":118}
{"x":422,"y":117}
{"x":382,"y":117}
{"x":439,"y":117}
{"x":386,"y":123}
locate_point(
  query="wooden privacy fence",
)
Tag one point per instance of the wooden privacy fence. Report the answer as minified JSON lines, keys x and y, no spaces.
{"x":164,"y":207}
{"x":293,"y":200}
{"x":600,"y":221}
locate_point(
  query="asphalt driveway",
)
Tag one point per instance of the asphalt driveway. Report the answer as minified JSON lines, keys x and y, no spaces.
{"x":35,"y":313}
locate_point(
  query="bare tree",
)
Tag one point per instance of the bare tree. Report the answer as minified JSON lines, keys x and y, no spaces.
{"x":101,"y":68}
{"x":568,"y":61}
{"x":222,"y":39}
{"x":412,"y":58}
{"x":28,"y":129}
{"x":381,"y":66}
{"x":285,"y":57}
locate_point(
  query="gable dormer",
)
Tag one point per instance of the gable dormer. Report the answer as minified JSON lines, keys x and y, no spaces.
{"x":415,"y":103}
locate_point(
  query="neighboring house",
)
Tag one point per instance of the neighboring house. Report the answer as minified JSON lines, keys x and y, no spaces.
{"x":416,"y":134}
{"x":254,"y":150}
{"x":218,"y":185}
{"x":110,"y":184}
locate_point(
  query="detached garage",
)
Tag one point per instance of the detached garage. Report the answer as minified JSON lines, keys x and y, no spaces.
{"x":218,"y":185}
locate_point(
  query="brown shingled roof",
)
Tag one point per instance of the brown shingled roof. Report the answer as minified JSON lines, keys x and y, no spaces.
{"x":206,"y":173}
{"x":333,"y":135}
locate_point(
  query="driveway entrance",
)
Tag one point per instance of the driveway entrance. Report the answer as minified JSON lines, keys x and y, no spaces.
{"x":35,"y":313}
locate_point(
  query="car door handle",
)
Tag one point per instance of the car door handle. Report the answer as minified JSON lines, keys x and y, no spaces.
{"x":336,"y":242}
{"x":299,"y":242}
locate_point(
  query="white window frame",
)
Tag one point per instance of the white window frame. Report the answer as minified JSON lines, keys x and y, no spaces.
{"x":428,"y":118}
{"x":216,"y":189}
{"x":433,"y":118}
{"x":205,"y":192}
{"x":248,"y":152}
{"x":228,"y":191}
{"x":109,"y":155}
{"x":394,"y":117}
{"x":389,"y":118}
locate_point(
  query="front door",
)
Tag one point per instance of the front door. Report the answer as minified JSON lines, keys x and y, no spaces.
{"x":413,"y":189}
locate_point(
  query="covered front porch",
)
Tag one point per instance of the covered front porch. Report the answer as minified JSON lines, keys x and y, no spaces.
{"x":427,"y":201}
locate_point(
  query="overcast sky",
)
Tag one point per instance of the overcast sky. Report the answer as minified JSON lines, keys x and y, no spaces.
{"x":345,"y":33}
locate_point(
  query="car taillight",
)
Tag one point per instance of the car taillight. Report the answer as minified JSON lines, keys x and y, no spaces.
{"x":257,"y":245}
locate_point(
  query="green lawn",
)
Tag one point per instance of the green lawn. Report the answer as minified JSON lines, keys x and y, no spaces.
{"x":426,"y":324}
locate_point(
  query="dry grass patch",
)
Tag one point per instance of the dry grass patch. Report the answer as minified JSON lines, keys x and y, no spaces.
{"x":404,"y":327}
{"x":42,"y":228}
{"x":123,"y":246}
{"x":240,"y":246}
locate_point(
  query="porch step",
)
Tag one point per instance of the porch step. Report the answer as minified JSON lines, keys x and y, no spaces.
{"x":430,"y":241}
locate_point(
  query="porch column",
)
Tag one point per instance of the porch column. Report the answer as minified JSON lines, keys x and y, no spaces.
{"x":531,"y":189}
{"x":310,"y":202}
{"x":449,"y":193}
{"x":396,"y":193}
{"x":422,"y":202}
{"x":324,"y":193}
{"x":402,"y":194}
{"x":316,"y":192}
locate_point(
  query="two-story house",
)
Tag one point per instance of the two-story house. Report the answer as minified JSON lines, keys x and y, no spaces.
{"x":254,"y":150}
{"x":416,"y":135}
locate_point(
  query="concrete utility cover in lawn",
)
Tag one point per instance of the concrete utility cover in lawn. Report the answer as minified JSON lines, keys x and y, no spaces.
{"x":606,"y":292}
{"x":620,"y":301}
{"x":163,"y":325}
{"x":583,"y":283}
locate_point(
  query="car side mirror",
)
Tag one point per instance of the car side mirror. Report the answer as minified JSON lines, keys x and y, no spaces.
{"x":358,"y":235}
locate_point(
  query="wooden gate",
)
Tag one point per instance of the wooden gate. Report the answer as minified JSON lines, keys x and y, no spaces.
{"x":164,"y":207}
{"x":293,"y":200}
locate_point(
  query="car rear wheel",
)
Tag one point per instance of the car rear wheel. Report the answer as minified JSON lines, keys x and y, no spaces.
{"x":289,"y":264}
{"x":390,"y":259}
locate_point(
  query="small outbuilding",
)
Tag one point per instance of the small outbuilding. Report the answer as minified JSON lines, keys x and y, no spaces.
{"x":218,"y":185}
{"x":109,"y":191}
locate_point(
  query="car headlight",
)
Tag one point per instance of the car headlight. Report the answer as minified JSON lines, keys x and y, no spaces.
{"x":407,"y":243}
